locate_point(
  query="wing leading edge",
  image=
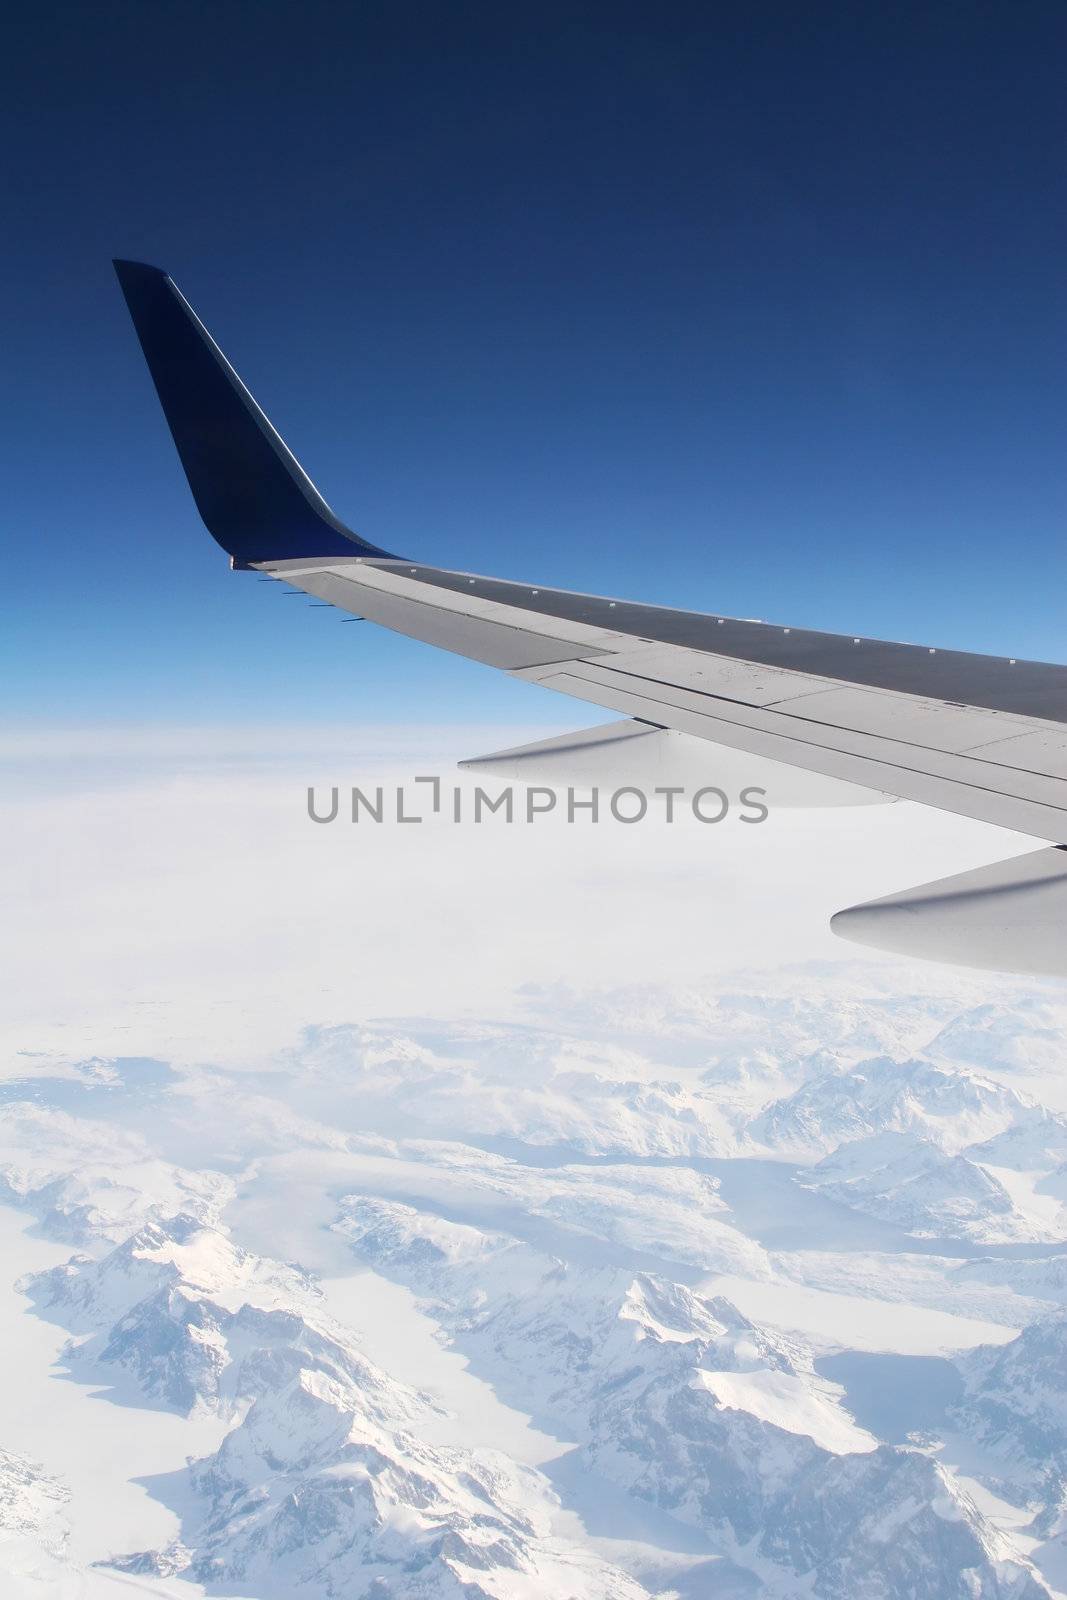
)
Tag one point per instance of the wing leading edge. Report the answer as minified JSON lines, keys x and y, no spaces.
{"x":981,"y":736}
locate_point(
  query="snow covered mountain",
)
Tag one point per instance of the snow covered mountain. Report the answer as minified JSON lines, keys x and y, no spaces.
{"x":311,"y":1493}
{"x":1025,"y":1036}
{"x":937,"y":1151}
{"x":598,"y":1333}
{"x":947,"y":1107}
{"x":484,"y":1083}
{"x":200,"y":1323}
{"x":88,"y":1180}
{"x":686,"y":1404}
{"x":634,"y":1224}
{"x":913,"y":1182}
{"x":320,"y":1483}
{"x":1015,"y":1406}
{"x":34,"y":1534}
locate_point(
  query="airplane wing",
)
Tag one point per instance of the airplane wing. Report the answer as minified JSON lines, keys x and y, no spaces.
{"x":981,"y":736}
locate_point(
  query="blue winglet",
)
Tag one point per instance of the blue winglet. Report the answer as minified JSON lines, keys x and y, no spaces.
{"x":255,"y":498}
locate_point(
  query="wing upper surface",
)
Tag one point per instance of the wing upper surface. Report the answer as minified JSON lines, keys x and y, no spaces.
{"x":977,"y":735}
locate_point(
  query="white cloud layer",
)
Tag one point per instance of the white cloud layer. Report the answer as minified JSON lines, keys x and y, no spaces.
{"x":167,"y":892}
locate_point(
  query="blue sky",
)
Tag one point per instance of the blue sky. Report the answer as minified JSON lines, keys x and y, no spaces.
{"x":754,"y":309}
